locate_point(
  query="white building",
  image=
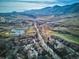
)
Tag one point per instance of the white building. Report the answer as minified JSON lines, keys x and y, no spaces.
{"x":2,"y":19}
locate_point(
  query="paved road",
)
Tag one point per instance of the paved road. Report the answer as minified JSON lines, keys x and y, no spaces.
{"x":47,"y":48}
{"x":44,"y":45}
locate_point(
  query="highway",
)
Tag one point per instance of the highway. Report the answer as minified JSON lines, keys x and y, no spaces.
{"x":51,"y":51}
{"x":44,"y":45}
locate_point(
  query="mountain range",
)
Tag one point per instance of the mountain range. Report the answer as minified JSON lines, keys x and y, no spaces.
{"x":55,"y":10}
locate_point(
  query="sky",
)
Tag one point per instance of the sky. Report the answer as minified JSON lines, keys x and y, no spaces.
{"x":22,"y":5}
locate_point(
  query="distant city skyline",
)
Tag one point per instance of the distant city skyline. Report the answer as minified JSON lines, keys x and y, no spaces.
{"x":22,"y":5}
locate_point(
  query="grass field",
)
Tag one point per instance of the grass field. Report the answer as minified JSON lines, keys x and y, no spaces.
{"x":71,"y":33}
{"x":67,"y":37}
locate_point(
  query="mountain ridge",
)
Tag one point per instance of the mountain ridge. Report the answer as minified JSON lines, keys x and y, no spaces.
{"x":55,"y":10}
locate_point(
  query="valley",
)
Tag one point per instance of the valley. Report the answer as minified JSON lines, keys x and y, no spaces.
{"x":40,"y":34}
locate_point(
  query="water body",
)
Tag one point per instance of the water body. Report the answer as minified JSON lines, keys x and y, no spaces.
{"x":17,"y":32}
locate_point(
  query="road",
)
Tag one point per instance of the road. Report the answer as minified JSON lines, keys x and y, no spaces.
{"x":51,"y":51}
{"x":44,"y":45}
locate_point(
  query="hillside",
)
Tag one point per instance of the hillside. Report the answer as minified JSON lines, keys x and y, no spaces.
{"x":55,"y":10}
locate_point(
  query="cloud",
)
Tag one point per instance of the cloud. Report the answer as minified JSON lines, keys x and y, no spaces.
{"x":21,"y":6}
{"x":45,"y":2}
{"x":64,"y":2}
{"x":67,"y":1}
